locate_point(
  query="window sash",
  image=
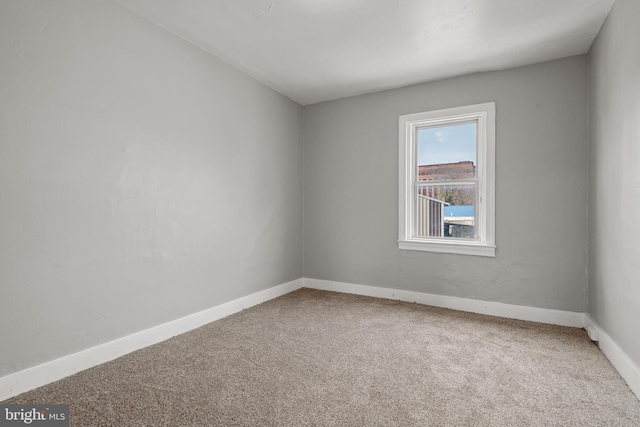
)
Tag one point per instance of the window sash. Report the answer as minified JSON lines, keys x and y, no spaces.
{"x":417,"y":226}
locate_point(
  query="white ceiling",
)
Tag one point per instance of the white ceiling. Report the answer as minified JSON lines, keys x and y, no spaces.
{"x":318,"y":50}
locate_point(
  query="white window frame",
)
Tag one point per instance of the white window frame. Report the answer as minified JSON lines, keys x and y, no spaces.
{"x":485,"y":117}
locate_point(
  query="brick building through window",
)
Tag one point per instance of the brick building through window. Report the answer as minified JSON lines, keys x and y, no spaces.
{"x":443,"y":172}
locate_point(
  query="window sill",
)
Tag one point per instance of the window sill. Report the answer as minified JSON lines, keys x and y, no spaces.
{"x":470,"y":248}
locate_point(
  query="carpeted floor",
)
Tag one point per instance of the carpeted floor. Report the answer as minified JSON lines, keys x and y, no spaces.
{"x":329,"y":359}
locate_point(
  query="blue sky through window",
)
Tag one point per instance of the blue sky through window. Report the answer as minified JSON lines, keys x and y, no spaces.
{"x":447,"y":144}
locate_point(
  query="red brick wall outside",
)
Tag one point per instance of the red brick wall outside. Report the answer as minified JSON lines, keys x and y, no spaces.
{"x":447,"y":171}
{"x":460,"y":170}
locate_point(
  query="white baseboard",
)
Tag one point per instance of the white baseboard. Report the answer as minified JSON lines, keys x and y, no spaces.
{"x":628,"y":370}
{"x":37,"y":376}
{"x":28,"y":379}
{"x":534,"y":314}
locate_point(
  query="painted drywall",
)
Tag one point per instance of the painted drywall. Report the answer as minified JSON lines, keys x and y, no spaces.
{"x":141,"y":179}
{"x":351,"y":189}
{"x":614,"y":178}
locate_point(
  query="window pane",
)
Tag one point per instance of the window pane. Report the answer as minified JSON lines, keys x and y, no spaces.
{"x":446,"y":211}
{"x":447,"y":152}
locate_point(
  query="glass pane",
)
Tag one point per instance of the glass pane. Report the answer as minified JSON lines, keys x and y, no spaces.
{"x":447,"y":152}
{"x":446,"y":211}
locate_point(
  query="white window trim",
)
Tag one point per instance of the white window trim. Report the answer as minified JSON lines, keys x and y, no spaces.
{"x":484,"y":245}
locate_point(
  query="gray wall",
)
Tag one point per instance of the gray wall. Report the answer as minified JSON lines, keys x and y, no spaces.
{"x":351,"y":189}
{"x":141,"y":180}
{"x":614,"y":172}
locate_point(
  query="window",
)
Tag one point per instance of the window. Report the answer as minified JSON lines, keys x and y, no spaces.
{"x":447,"y":181}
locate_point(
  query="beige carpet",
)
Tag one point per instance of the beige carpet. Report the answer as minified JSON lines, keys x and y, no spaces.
{"x":330,"y":359}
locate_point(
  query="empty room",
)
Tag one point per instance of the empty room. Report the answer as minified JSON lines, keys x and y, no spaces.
{"x":320,"y":212}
